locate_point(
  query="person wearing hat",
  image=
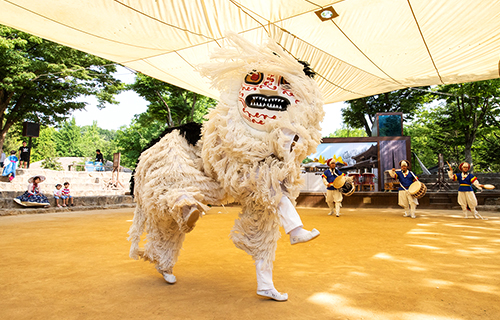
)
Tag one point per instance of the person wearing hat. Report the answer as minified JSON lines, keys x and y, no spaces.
{"x":10,"y":166}
{"x":33,"y":196}
{"x":466,"y":197}
{"x":405,"y":178}
{"x":333,"y":194}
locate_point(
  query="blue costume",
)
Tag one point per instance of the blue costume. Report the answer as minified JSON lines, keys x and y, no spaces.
{"x":465,"y":183}
{"x":405,"y":181}
{"x":11,"y":166}
{"x":330,"y":177}
{"x":466,"y":197}
{"x":405,"y":199}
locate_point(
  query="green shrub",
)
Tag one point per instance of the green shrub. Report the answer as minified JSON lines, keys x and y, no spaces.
{"x":52,"y":164}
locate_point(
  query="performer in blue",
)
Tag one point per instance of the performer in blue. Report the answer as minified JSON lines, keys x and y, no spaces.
{"x":466,"y":197}
{"x":10,"y":166}
{"x":333,"y":195}
{"x":405,"y":178}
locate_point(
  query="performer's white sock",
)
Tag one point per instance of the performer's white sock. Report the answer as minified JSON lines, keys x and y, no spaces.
{"x":337,"y":208}
{"x":465,"y":213}
{"x":264,"y":276}
{"x":265,"y":286}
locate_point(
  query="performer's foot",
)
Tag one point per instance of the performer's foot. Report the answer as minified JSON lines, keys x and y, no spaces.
{"x":406,"y":215}
{"x":330,"y":213}
{"x":303,"y":236}
{"x":413,"y":216}
{"x":169,"y":278}
{"x":338,"y":214}
{"x":273,"y":294}
{"x":478,"y":216}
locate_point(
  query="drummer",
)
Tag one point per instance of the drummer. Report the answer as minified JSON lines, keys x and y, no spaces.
{"x":466,"y":197}
{"x":405,"y":178}
{"x":333,"y":195}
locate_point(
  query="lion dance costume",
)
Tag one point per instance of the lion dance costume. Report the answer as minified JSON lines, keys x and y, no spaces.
{"x":250,"y":149}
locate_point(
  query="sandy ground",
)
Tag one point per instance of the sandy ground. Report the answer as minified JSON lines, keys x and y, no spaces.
{"x":367,"y":264}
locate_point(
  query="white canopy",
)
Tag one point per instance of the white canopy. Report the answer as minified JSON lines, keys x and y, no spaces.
{"x":372,"y":46}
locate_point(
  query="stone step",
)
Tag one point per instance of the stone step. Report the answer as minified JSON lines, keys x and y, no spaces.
{"x":9,"y":207}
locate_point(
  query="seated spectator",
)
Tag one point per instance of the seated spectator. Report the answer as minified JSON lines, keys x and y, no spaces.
{"x":59,"y":195}
{"x":67,"y":195}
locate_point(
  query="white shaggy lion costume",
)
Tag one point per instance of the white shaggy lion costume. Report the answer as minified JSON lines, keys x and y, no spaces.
{"x":251,"y":147}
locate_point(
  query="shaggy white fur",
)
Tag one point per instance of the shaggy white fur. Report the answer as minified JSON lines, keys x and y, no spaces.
{"x":257,"y":167}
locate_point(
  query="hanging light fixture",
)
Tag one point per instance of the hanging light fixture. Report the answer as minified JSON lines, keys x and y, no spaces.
{"x":326,"y":14}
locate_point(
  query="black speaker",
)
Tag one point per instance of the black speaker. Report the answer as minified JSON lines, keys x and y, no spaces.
{"x":31,"y":129}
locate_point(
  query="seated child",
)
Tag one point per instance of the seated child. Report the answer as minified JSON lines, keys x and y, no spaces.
{"x":67,"y":194}
{"x":58,"y":195}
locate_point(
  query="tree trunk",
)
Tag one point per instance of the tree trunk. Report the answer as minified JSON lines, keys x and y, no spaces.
{"x":468,"y":153}
{"x":3,"y":134}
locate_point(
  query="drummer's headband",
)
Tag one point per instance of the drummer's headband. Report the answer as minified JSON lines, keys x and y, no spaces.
{"x":403,"y":163}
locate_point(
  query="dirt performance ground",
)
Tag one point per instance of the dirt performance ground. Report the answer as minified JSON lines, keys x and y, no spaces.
{"x":367,"y":264}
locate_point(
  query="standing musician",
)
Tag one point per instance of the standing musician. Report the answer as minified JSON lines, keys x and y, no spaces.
{"x":405,"y":178}
{"x":466,"y":197}
{"x":333,"y":195}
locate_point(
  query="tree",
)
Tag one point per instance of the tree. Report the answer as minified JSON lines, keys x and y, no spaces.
{"x":360,"y":113}
{"x":169,"y":104}
{"x":69,"y":140}
{"x":346,"y":132}
{"x":467,"y":110}
{"x":133,"y":139}
{"x":44,"y":146}
{"x":39,"y":80}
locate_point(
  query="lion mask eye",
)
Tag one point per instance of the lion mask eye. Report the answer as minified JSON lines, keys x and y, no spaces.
{"x":284,"y":82}
{"x":254,"y":78}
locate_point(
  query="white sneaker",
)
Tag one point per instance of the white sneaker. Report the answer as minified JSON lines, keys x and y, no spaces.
{"x":169,"y":278}
{"x":330,"y":213}
{"x":338,"y":214}
{"x":406,"y":215}
{"x":273,"y":294}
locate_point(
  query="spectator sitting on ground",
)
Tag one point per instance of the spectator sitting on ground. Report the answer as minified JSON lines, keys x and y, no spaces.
{"x":67,"y":196}
{"x":59,"y":195}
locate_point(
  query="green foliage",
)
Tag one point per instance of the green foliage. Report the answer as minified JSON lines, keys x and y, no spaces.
{"x":40,"y":80}
{"x":133,"y":139}
{"x":52,"y":164}
{"x":44,"y":146}
{"x":346,"y":132}
{"x":360,"y":113}
{"x":169,"y":104}
{"x":466,"y":112}
{"x":69,"y":140}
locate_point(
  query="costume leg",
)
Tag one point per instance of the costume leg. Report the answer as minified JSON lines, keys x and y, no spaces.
{"x":337,"y":208}
{"x":330,"y":202}
{"x":462,"y":201}
{"x":472,"y":203}
{"x":403,"y":202}
{"x":292,"y":223}
{"x":265,"y":286}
